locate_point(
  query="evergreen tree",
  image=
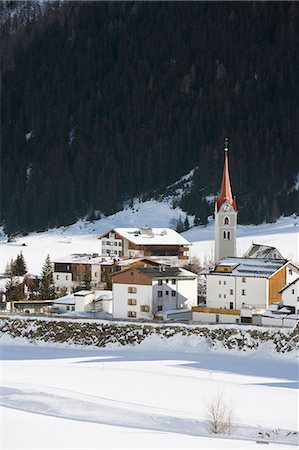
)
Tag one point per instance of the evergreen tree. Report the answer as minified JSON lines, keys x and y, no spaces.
{"x":186,"y":223}
{"x":14,"y":290}
{"x":180,"y":225}
{"x":47,"y":290}
{"x":19,"y":266}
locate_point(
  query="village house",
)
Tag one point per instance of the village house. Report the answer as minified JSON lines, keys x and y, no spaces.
{"x":242,"y":286}
{"x":164,"y":244}
{"x":77,"y":271}
{"x":263,"y":252}
{"x":290,"y":296}
{"x":142,"y":292}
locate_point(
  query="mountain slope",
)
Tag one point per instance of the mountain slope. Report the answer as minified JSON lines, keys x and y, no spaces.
{"x":104,"y":101}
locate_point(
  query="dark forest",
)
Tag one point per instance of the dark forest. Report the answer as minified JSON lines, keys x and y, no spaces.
{"x":104,"y":101}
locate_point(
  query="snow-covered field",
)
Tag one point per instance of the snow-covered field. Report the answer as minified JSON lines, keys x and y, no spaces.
{"x":82,"y":237}
{"x":147,"y":397}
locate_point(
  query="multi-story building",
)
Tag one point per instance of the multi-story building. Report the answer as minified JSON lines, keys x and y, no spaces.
{"x":160,"y":243}
{"x":77,"y":271}
{"x":145,"y":291}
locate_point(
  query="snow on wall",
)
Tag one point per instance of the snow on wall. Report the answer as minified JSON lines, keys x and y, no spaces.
{"x":191,"y":338}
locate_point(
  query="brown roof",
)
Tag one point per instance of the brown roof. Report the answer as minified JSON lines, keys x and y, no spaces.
{"x":226,"y":191}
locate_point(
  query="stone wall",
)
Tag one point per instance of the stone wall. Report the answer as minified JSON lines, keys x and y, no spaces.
{"x":103,"y":333}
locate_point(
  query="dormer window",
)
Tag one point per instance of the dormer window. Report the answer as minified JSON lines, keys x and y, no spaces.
{"x":226,"y":221}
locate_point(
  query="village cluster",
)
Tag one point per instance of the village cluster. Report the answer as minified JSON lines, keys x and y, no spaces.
{"x":146,"y":274}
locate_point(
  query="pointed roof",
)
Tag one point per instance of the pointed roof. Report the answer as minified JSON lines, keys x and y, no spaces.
{"x":226,"y":191}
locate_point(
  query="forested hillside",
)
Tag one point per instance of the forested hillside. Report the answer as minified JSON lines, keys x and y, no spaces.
{"x":102,"y":101}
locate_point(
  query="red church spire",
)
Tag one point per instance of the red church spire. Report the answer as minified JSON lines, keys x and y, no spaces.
{"x":226,"y":191}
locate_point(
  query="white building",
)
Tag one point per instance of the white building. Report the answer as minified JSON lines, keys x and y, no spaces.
{"x":141,"y":292}
{"x":161,"y":243}
{"x":75,"y":270}
{"x":235,"y":283}
{"x":225,"y":215}
{"x":290,"y":296}
{"x":84,"y":301}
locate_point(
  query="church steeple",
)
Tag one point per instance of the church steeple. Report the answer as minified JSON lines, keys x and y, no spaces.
{"x":226,"y":191}
{"x":225,"y":215}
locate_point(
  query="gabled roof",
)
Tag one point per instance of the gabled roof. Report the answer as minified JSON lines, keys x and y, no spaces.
{"x":262,"y":251}
{"x":150,"y":236}
{"x":226,"y":191}
{"x":248,"y":267}
{"x":289,"y":285}
{"x":79,"y":258}
{"x":159,"y":272}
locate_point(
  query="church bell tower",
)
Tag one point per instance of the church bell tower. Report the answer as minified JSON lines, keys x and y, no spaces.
{"x":225,"y":215}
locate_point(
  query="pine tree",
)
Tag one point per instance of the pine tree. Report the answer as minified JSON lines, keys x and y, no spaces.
{"x":186,"y":223}
{"x":179,"y":225}
{"x":19,"y":266}
{"x":47,"y":290}
{"x":14,"y":290}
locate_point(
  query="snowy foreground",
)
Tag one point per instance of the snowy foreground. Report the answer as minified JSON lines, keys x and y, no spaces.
{"x":147,"y":397}
{"x":82,"y":237}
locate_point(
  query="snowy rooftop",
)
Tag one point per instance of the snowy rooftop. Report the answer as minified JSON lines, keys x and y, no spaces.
{"x":165,"y":272}
{"x":65,"y":300}
{"x":249,"y":267}
{"x":262,"y":251}
{"x":80,"y":258}
{"x":151,"y":236}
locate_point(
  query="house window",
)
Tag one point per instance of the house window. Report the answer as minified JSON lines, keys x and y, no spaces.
{"x":131,"y":313}
{"x":159,"y":282}
{"x":73,"y":308}
{"x":224,"y":282}
{"x":144,"y":308}
{"x":231,"y":305}
{"x":228,"y":235}
{"x":159,"y":308}
{"x":68,"y":308}
{"x":243,"y":280}
{"x":173,"y":293}
{"x":159,"y":293}
{"x":115,"y":243}
{"x":224,"y":234}
{"x":173,"y":281}
{"x":231,"y":292}
{"x":243,"y":291}
{"x":119,"y":243}
{"x":224,"y":295}
{"x":290,"y":272}
{"x":166,"y":281}
{"x":115,"y":252}
{"x":226,"y":221}
{"x":132,"y":301}
{"x":104,"y":251}
{"x":219,"y":295}
{"x":219,"y":282}
{"x":132,"y":290}
{"x":66,"y":277}
{"x":293,"y":291}
{"x":95,"y":274}
{"x":166,"y":292}
{"x":108,"y":243}
{"x":57,"y":277}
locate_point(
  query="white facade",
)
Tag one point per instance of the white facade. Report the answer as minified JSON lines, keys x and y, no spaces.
{"x":235,"y":292}
{"x":111,"y":246}
{"x":132,"y":304}
{"x":225,"y":231}
{"x":143,"y":301}
{"x":290,"y":295}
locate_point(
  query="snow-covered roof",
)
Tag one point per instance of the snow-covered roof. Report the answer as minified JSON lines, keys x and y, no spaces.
{"x":248,"y":267}
{"x":65,"y":300}
{"x":162,"y":272}
{"x":290,"y":284}
{"x":103,"y":295}
{"x":83,"y":293}
{"x":79,"y":258}
{"x":262,"y":251}
{"x":151,"y":236}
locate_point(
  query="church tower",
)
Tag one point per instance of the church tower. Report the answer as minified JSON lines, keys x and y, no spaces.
{"x":225,"y":215}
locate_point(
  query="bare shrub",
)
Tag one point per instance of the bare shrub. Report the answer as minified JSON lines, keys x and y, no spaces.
{"x":219,"y":415}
